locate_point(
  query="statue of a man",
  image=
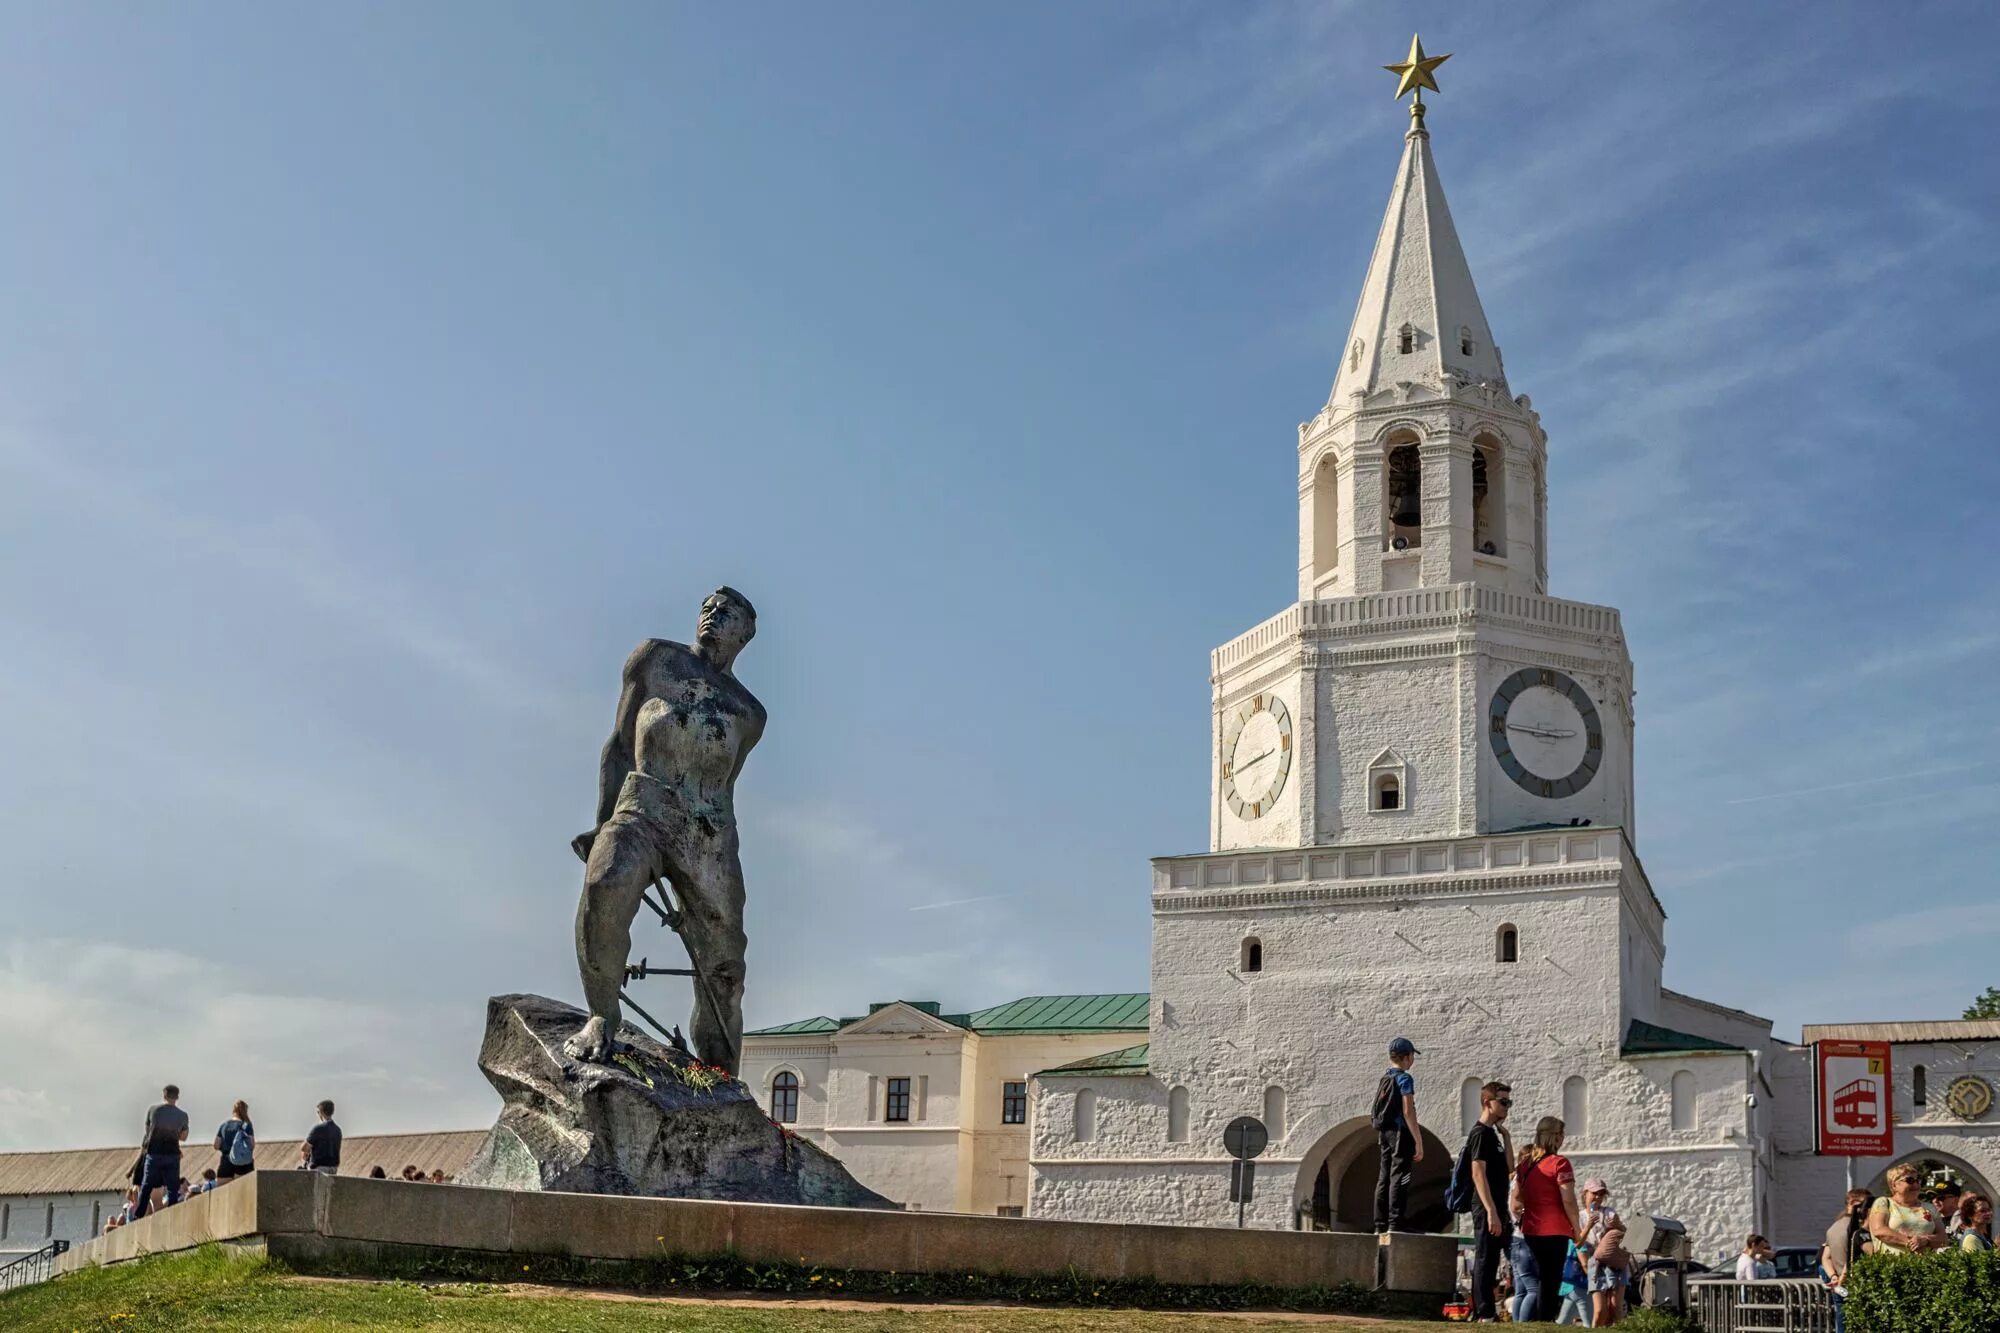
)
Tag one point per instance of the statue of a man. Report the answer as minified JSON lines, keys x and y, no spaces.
{"x":666,"y":808}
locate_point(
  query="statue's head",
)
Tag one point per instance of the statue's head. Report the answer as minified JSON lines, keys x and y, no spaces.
{"x":728,"y":621}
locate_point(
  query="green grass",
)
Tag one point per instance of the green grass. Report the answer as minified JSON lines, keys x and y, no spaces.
{"x":212,"y":1293}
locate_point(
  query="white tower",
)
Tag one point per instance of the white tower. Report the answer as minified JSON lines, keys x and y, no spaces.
{"x":1421,"y":827}
{"x":1424,"y":685}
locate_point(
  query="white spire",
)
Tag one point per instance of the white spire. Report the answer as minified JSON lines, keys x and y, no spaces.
{"x":1417,"y":281}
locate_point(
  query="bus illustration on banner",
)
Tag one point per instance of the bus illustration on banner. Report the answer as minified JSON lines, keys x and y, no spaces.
{"x":1854,"y":1116}
{"x":1854,"y":1106}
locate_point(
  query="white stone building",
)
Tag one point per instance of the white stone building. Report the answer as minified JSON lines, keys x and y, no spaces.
{"x":928,"y":1108}
{"x":1423,"y":824}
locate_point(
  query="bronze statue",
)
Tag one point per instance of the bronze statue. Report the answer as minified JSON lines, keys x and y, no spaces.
{"x":666,"y":809}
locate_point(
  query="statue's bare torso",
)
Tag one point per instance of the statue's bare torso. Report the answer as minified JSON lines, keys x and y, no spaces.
{"x":694,"y":725}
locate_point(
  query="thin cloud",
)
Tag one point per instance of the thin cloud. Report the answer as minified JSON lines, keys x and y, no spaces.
{"x":960,"y":902}
{"x":1859,"y":782}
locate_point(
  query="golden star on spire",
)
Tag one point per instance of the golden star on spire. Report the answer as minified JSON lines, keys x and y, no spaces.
{"x":1414,"y":74}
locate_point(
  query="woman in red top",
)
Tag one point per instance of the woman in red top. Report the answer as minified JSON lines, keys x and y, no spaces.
{"x":1545,"y":1203}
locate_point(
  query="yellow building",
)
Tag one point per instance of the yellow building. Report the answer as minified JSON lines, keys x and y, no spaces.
{"x":928,"y":1108}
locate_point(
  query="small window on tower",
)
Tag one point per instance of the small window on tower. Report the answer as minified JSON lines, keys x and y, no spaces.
{"x":1464,"y":341}
{"x":1388,"y":793}
{"x":1253,"y":955}
{"x":1406,"y":340}
{"x":1354,"y":354}
{"x":1919,"y":1085}
{"x":1508,"y":945}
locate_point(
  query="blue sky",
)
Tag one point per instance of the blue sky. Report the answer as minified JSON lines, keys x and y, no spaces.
{"x":373,"y":377}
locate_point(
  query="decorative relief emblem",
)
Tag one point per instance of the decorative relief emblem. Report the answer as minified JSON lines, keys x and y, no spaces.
{"x":1969,"y":1097}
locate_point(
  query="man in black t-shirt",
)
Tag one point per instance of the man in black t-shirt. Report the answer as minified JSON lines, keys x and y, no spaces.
{"x":322,"y":1145}
{"x":1491,"y":1151}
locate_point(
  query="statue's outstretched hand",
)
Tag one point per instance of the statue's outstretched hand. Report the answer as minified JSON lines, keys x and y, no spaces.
{"x":582,"y":843}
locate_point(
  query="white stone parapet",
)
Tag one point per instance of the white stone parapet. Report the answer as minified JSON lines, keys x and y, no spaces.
{"x":1555,"y":858}
{"x":1417,"y":609}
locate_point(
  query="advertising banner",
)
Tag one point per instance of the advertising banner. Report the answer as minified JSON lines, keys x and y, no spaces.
{"x":1853,"y":1111}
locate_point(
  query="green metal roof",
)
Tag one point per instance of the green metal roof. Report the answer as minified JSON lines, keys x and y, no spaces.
{"x":803,"y":1025}
{"x":1644,"y":1038}
{"x":1128,"y":1063}
{"x":1047,"y":1015}
{"x":1056,"y":1014}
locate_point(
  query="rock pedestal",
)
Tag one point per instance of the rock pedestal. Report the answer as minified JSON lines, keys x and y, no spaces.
{"x":651,"y":1121}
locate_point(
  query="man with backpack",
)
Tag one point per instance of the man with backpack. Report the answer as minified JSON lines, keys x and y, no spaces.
{"x":1395,"y":1121}
{"x":1479,"y":1183}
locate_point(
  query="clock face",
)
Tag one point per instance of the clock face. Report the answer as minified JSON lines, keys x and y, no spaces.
{"x":1545,"y":732}
{"x":1256,"y":755}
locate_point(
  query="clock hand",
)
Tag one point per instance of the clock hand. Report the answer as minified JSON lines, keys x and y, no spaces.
{"x":1258,"y":760}
{"x":1541,"y":733}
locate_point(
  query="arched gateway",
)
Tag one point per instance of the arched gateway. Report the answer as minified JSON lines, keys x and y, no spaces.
{"x":1335,"y":1187}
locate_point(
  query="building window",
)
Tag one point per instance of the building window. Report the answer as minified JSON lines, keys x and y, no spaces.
{"x":1919,"y":1085}
{"x":1274,"y":1112}
{"x":1464,"y":341}
{"x":1008,"y":1210}
{"x":96,"y":1218}
{"x":1014,"y":1104}
{"x":1354,"y":354}
{"x":1253,"y":955}
{"x":6,"y":1219}
{"x":1177,"y":1115}
{"x":49,"y":1221}
{"x":898,"y":1106}
{"x":1086,"y":1116}
{"x":1388,"y":782}
{"x":1683,"y":1095}
{"x":1507,"y":945}
{"x":1406,"y":340}
{"x":785,"y":1097}
{"x":1576,"y":1110}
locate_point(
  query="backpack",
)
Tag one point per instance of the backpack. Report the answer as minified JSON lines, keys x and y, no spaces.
{"x":1383,"y":1117}
{"x":242,"y":1148}
{"x":1610,"y":1251}
{"x":1460,"y":1195}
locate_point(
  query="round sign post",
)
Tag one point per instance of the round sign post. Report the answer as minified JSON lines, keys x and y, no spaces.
{"x":1244,"y":1139}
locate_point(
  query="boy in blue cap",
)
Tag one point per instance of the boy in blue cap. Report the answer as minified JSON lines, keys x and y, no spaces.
{"x":1395,"y":1121}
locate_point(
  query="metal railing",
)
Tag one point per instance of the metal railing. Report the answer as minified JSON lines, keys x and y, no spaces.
{"x":1773,"y":1305}
{"x":32,"y":1268}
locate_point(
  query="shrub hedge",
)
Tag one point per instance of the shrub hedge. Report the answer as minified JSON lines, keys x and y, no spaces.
{"x":728,"y":1273}
{"x":1948,"y":1292}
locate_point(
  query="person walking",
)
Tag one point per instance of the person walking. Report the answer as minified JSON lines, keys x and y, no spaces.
{"x":1489,"y":1149}
{"x":1846,"y":1240}
{"x":322,"y":1145}
{"x":1902,"y":1221}
{"x":1545,"y":1193}
{"x":166,"y":1129}
{"x":236,"y":1144}
{"x":1401,"y":1137}
{"x":1975,"y":1224}
{"x":1601,"y":1223}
